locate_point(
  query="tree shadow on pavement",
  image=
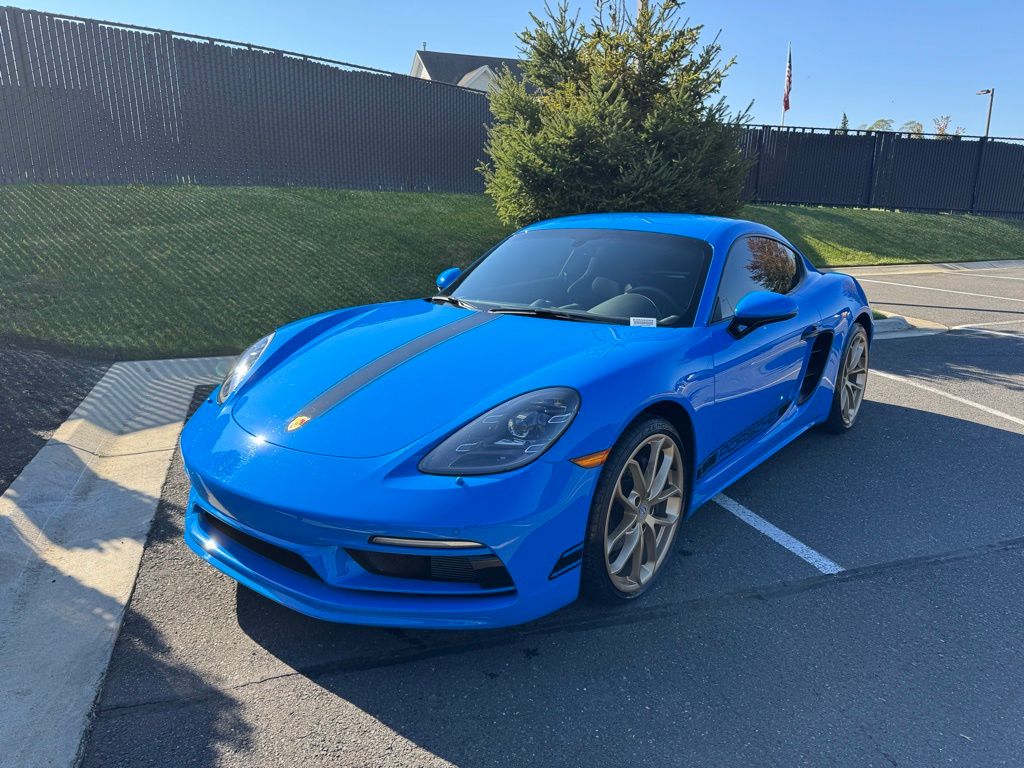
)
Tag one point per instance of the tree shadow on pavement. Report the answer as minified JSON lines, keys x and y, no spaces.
{"x":144,"y":655}
{"x":963,"y":356}
{"x":145,"y":660}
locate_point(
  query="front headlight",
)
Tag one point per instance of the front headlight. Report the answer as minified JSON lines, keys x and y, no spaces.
{"x":241,"y":368}
{"x":506,"y":437}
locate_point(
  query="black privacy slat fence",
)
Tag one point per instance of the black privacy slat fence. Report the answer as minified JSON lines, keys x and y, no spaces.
{"x":882,"y":169}
{"x":92,"y":102}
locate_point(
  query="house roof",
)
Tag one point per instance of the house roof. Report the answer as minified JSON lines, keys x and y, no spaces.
{"x":452,"y":67}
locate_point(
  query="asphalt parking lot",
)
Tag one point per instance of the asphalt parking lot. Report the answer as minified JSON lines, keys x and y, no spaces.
{"x":746,"y":653}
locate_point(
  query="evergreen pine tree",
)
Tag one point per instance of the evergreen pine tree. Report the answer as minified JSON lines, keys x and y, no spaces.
{"x":623,"y":114}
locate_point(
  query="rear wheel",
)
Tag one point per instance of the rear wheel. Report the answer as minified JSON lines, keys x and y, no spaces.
{"x":850,"y":383}
{"x":635,"y":512}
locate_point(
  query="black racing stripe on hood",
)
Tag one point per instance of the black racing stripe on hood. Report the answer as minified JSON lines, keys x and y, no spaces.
{"x":389,"y":361}
{"x":298,"y":342}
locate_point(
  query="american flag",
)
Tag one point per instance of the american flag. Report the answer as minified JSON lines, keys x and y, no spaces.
{"x":789,"y":81}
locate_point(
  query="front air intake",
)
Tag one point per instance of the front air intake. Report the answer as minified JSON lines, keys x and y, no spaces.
{"x":283,"y":557}
{"x":486,"y":571}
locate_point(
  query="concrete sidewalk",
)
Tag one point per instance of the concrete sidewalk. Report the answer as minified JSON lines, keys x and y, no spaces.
{"x":72,"y":529}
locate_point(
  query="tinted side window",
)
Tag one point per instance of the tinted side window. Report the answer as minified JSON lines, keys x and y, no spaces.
{"x":755,"y":264}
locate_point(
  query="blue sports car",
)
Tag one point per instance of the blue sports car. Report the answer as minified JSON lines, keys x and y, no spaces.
{"x":538,"y":428}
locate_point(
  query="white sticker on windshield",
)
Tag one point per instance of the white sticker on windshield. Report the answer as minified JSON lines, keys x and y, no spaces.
{"x":644,"y":322}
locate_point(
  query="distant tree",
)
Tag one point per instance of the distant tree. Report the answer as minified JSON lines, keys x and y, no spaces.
{"x":882,"y":124}
{"x":622,"y":114}
{"x":942,"y":128}
{"x":914,"y":128}
{"x":844,"y":124}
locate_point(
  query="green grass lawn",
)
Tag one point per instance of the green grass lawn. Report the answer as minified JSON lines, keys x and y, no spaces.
{"x":135,"y":272}
{"x":844,"y":237}
{"x":180,"y":271}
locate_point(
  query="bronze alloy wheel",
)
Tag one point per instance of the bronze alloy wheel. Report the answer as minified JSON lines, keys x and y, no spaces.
{"x":851,"y":381}
{"x":643,"y":513}
{"x":855,"y":378}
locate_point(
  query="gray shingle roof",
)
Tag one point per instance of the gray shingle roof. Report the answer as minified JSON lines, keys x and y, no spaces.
{"x":451,"y":67}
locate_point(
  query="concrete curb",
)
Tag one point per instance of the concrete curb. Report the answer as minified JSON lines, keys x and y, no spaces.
{"x":72,"y":528}
{"x":891,"y":325}
{"x":899,"y":327}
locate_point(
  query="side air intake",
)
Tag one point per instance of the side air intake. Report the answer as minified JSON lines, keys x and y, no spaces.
{"x":815,"y":366}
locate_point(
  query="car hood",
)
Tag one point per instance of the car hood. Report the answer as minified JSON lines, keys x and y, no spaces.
{"x":376,"y":379}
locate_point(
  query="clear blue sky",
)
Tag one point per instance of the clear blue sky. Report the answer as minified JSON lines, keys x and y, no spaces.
{"x":902,"y":59}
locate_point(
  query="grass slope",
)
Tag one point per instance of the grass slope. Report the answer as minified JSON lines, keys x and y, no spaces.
{"x":175,"y":271}
{"x":854,"y":236}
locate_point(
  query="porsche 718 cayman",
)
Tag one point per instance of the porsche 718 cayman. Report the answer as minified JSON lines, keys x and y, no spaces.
{"x":539,"y":427}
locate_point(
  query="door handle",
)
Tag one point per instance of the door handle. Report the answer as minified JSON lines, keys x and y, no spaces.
{"x":810,"y":332}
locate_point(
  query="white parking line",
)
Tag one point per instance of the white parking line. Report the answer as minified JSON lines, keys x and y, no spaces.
{"x":778,"y":535}
{"x":986,"y":325}
{"x":941,"y":290}
{"x":990,"y":277}
{"x":935,"y":391}
{"x":990,"y":332}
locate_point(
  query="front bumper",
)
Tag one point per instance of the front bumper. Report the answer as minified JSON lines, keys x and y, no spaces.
{"x":255,"y":507}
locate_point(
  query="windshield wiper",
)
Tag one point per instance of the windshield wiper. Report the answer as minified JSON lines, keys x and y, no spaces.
{"x":554,"y":314}
{"x":442,"y":299}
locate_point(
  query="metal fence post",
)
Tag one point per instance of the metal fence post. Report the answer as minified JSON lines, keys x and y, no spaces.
{"x":254,"y":71}
{"x":20,"y":92}
{"x":757,"y":168}
{"x":876,"y":148}
{"x":982,"y":143}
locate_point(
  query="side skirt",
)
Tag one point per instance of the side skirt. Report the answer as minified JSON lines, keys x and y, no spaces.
{"x":801,"y":419}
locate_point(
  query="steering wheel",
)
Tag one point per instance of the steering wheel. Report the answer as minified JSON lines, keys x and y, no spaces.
{"x":662,"y":299}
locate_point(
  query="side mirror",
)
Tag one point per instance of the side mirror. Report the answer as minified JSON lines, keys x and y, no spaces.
{"x":447,"y":277}
{"x":760,"y":308}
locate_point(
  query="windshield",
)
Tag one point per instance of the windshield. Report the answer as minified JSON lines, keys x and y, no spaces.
{"x":605,"y":275}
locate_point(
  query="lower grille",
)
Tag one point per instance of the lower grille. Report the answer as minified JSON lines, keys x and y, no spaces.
{"x":487,"y":571}
{"x":281,"y":556}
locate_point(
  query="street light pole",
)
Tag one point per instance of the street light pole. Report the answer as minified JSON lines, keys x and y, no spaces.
{"x":991,"y":93}
{"x":982,"y":145}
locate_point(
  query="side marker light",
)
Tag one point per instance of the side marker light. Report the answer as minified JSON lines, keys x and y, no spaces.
{"x":592,"y":460}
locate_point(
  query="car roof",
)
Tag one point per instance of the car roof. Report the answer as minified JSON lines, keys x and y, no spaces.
{"x":710,"y":228}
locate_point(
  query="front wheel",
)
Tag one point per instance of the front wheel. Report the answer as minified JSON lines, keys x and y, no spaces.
{"x":635,"y":513}
{"x":850,"y":383}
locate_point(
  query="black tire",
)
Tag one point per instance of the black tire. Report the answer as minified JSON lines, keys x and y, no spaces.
{"x":596,"y":581}
{"x":837,"y":423}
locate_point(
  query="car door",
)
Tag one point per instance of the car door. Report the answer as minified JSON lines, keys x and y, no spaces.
{"x":757,"y":375}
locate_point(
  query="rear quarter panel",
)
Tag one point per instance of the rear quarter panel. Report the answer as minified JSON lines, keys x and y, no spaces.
{"x":841,"y":303}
